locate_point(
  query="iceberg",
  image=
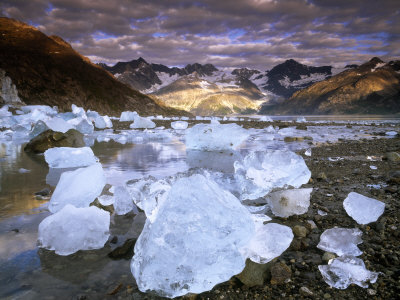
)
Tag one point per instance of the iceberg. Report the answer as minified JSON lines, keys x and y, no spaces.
{"x":72,"y":229}
{"x":342,"y":241}
{"x":79,"y":187}
{"x":289,"y":202}
{"x":128,"y":116}
{"x":140,"y":122}
{"x":345,"y":270}
{"x":179,"y":125}
{"x":363,"y":209}
{"x":194,"y":241}
{"x":67,"y":157}
{"x":215,"y":136}
{"x":102,"y":122}
{"x":262,"y":171}
{"x":123,"y":202}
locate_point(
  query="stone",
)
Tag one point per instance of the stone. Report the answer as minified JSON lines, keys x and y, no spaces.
{"x":50,"y":139}
{"x":327,"y":256}
{"x":300,"y":231}
{"x":280,"y":273}
{"x":123,"y":252}
{"x":363,"y":209}
{"x":254,"y":274}
{"x":305,"y":291}
{"x":392,"y":156}
{"x":72,"y":229}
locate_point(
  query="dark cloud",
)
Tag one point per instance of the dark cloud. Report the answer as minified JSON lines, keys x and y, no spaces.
{"x":230,"y":33}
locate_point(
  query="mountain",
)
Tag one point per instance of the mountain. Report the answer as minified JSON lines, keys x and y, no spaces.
{"x":47,"y":70}
{"x":371,"y":88}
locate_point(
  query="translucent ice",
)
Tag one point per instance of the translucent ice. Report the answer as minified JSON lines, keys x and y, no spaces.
{"x":72,"y":229}
{"x":106,"y":200}
{"x":102,"y":122}
{"x":265,"y":119}
{"x":128,"y":116}
{"x":269,"y":241}
{"x":342,"y":241}
{"x":179,"y":125}
{"x":391,"y":133}
{"x":78,"y":111}
{"x":140,"y":122}
{"x":345,"y":270}
{"x":261,"y":171}
{"x":194,"y":241}
{"x":362,"y":209}
{"x":123,"y":202}
{"x":67,"y":157}
{"x":79,"y":187}
{"x":289,"y":202}
{"x":215,"y":136}
{"x":83,"y":125}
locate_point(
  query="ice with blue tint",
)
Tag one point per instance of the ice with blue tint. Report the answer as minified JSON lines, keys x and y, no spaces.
{"x":345,"y":270}
{"x":193,"y":243}
{"x":140,"y":122}
{"x":102,"y":122}
{"x":128,"y":116}
{"x":290,"y":202}
{"x":68,"y":157}
{"x":79,"y":187}
{"x":342,"y":241}
{"x":123,"y":202}
{"x":262,"y":171}
{"x":81,"y":124}
{"x":78,"y":111}
{"x":363,"y":209}
{"x":72,"y":229}
{"x":179,"y":125}
{"x":215,"y":136}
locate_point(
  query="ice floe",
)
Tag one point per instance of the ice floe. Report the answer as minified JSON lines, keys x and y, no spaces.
{"x":67,"y":157}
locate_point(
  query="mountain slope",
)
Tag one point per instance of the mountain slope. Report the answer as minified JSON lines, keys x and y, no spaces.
{"x":46,"y":70}
{"x":372,"y":88}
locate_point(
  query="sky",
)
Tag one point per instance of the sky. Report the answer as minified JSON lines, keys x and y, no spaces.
{"x":227,"y":33}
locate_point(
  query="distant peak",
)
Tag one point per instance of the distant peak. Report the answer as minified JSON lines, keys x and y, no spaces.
{"x":291,"y":61}
{"x":376,"y":60}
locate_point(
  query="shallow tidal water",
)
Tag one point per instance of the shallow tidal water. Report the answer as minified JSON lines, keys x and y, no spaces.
{"x":28,"y":272}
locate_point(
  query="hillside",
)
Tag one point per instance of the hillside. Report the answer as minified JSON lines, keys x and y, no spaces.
{"x":372,"y":88}
{"x":46,"y":70}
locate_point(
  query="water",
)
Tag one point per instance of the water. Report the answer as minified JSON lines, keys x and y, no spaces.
{"x":27,"y":272}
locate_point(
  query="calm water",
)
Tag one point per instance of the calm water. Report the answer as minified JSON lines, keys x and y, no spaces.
{"x":27,"y":272}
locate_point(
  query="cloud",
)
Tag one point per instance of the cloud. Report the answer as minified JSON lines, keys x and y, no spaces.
{"x":230,"y":33}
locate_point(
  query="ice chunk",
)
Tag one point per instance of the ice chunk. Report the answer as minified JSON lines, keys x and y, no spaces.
{"x":23,"y":171}
{"x":289,"y":202}
{"x":301,"y":120}
{"x":83,"y":125}
{"x":67,"y":157}
{"x":307,"y":152}
{"x":391,"y":133}
{"x":79,"y":187}
{"x":193,"y":242}
{"x":106,"y":200}
{"x":184,"y":118}
{"x":261,"y":171}
{"x":4,"y":112}
{"x":270,"y":241}
{"x":215,"y":136}
{"x":128,"y":116}
{"x":102,"y":122}
{"x":179,"y":125}
{"x":78,"y":111}
{"x":265,"y":119}
{"x":342,"y":241}
{"x":221,"y":161}
{"x":123,"y":202}
{"x":58,"y":124}
{"x":92,"y":115}
{"x":72,"y":229}
{"x":345,"y":270}
{"x":363,"y":209}
{"x":140,"y":122}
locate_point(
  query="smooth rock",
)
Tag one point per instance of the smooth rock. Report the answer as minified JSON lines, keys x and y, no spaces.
{"x":50,"y":139}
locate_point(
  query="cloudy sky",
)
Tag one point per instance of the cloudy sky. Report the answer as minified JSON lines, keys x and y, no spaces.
{"x":227,"y":33}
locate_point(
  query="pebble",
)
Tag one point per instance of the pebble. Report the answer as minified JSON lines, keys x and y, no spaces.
{"x":280,"y":273}
{"x":300,"y":231}
{"x":306,"y":291}
{"x":328,"y":256}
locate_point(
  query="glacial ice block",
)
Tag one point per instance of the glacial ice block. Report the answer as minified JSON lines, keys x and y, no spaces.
{"x":140,"y":122}
{"x":128,"y":116}
{"x":194,"y":241}
{"x":72,"y":229}
{"x":179,"y":125}
{"x":215,"y":136}
{"x":102,"y":122}
{"x":345,"y":270}
{"x":67,"y":157}
{"x":269,"y":241}
{"x":342,"y":241}
{"x":123,"y":202}
{"x":289,"y":202}
{"x":363,"y":209}
{"x":79,"y":187}
{"x":261,"y":171}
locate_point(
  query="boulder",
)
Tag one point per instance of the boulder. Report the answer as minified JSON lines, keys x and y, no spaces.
{"x":50,"y":139}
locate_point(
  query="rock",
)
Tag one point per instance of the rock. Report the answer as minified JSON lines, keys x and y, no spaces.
{"x":44,"y":192}
{"x":123,"y":252}
{"x":392,"y":156}
{"x":300,"y":231}
{"x":322,"y":177}
{"x":253,"y":274}
{"x":305,"y":291}
{"x":109,"y":208}
{"x":51,"y":139}
{"x":301,"y":127}
{"x":280,"y":273}
{"x":290,"y":139}
{"x":394,"y":177}
{"x":328,"y":256}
